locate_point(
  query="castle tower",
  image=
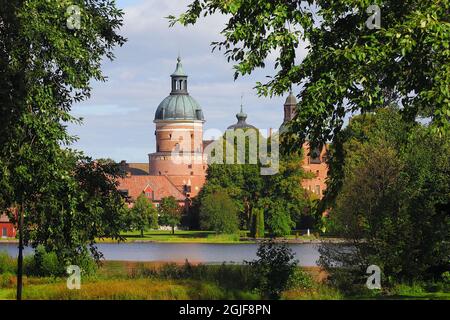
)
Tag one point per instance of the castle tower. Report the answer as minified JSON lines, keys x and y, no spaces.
{"x":179,"y":131}
{"x":290,"y":108}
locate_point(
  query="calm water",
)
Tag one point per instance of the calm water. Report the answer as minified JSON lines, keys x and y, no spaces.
{"x":307,"y":254}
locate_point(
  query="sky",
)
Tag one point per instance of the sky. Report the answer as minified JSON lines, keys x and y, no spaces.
{"x":118,"y":118}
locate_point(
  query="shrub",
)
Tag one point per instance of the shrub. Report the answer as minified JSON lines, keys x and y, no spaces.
{"x":7,"y":280}
{"x":274,"y":268}
{"x":7,"y":263}
{"x":446,"y":277}
{"x":43,"y":263}
{"x":48,"y":264}
{"x":300,"y":280}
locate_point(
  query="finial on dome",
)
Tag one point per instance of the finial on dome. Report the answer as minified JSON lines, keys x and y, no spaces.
{"x":179,"y":69}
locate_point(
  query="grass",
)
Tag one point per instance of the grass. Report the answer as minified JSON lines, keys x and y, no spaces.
{"x":169,"y":281}
{"x":195,"y":236}
{"x":183,"y":236}
{"x":130,"y":289}
{"x":180,"y":236}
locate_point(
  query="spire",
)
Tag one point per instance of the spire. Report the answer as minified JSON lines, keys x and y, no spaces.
{"x":179,"y":69}
{"x":241,"y":116}
{"x":290,"y":107}
{"x":179,"y":79}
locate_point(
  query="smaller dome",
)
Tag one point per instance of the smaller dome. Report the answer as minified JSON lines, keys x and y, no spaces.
{"x":241,"y":124}
{"x":179,"y":107}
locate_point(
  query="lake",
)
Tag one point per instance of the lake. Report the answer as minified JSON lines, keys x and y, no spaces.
{"x":307,"y":254}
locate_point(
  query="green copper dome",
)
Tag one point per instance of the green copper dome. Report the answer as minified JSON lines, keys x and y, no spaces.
{"x":179,"y":105}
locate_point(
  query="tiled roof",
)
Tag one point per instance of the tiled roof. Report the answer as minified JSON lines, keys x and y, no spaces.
{"x":160,"y":186}
{"x":3,"y":218}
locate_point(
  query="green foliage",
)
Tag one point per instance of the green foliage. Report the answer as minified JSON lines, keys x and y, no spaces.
{"x":219,"y":213}
{"x":7,"y":263}
{"x":143,"y":214}
{"x":348,"y":67}
{"x":47,"y":264}
{"x":392,"y":200}
{"x":44,"y":264}
{"x":259,"y":222}
{"x":279,"y":195}
{"x":169,"y":212}
{"x":300,"y":280}
{"x":274,"y":268}
{"x":446,"y":277}
{"x":67,"y":199}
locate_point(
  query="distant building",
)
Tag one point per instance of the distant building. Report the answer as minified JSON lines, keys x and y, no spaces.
{"x":179,"y":123}
{"x":314,"y":161}
{"x":7,"y":229}
{"x":177,"y":167}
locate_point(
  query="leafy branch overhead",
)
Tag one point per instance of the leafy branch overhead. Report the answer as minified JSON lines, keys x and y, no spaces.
{"x":349,"y":67}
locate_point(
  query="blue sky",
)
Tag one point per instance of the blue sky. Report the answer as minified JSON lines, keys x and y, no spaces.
{"x":118,"y":119}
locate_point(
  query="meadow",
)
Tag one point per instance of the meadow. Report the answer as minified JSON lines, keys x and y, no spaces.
{"x":174,"y":281}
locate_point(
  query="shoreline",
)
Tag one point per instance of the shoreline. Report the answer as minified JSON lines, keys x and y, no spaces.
{"x":242,"y":241}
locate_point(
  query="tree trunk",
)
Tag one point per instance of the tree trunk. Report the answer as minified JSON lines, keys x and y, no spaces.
{"x":142,"y":233}
{"x":173,"y":229}
{"x":20,"y":257}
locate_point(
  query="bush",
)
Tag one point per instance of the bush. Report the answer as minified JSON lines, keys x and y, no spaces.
{"x":7,"y":280}
{"x":274,"y":269}
{"x":300,"y":280}
{"x":446,"y":277}
{"x":47,"y":264}
{"x":43,"y":264}
{"x":7,"y":263}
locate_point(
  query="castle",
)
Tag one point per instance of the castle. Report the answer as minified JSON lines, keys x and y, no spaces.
{"x":179,"y":123}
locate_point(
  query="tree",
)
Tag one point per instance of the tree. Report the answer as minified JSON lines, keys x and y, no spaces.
{"x":280,"y":196}
{"x":259,"y":223}
{"x":143,"y":214}
{"x":274,"y":268}
{"x":351,"y":65}
{"x":391,"y":200}
{"x":219,"y":213}
{"x":45,"y":67}
{"x":169,"y":212}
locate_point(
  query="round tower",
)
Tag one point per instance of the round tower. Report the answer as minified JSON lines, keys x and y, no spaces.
{"x":179,"y":131}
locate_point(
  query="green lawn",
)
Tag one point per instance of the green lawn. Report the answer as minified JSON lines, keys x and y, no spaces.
{"x":182,"y":236}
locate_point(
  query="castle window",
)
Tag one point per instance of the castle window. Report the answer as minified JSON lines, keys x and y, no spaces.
{"x":317,"y":190}
{"x":190,"y":166}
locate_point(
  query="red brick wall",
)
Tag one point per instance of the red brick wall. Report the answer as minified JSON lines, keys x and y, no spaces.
{"x":10,"y":230}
